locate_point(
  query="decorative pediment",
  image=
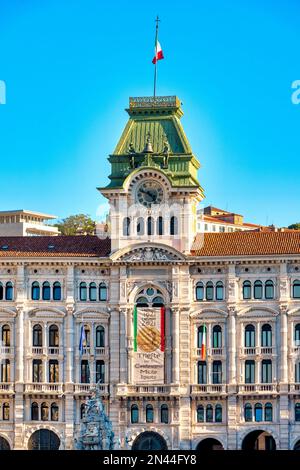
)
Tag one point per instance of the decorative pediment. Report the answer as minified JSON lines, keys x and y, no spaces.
{"x":92,"y":313}
{"x":294,"y":312}
{"x":7,"y":312}
{"x":258,"y":312}
{"x":208,"y":313}
{"x":148,"y":253}
{"x":41,"y":312}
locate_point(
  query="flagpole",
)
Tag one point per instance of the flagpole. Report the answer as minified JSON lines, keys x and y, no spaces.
{"x":155,"y":67}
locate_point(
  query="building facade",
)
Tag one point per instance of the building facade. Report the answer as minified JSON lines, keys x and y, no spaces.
{"x":23,"y":223}
{"x":242,"y":288}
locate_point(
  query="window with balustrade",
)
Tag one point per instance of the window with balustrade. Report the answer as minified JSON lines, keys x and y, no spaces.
{"x":217,"y":372}
{"x":202,"y":372}
{"x":266,"y":371}
{"x":249,"y":336}
{"x":266,"y":336}
{"x":296,"y":289}
{"x":249,"y":372}
{"x":217,"y":337}
{"x":164,"y":414}
{"x":149,"y":414}
{"x":37,"y":370}
{"x":134,"y":414}
{"x":100,"y":337}
{"x":85,"y":371}
{"x":297,"y":372}
{"x":100,"y":371}
{"x":5,"y":370}
{"x":53,"y":336}
{"x":5,"y":335}
{"x":53,"y":371}
{"x":37,"y":336}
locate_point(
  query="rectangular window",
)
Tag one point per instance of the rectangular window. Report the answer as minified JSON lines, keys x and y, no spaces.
{"x":266,"y":371}
{"x":249,"y":372}
{"x":202,"y":372}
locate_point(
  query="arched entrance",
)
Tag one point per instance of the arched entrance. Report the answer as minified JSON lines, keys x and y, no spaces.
{"x":259,"y":440}
{"x":44,"y":439}
{"x":209,"y":444}
{"x":149,"y":441}
{"x":4,"y":444}
{"x":297,"y":445}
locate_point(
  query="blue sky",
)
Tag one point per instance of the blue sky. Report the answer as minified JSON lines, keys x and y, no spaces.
{"x":70,"y":66}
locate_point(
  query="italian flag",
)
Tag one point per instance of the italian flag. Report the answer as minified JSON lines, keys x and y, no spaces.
{"x":203,"y":345}
{"x":158,"y":53}
{"x":162,"y":328}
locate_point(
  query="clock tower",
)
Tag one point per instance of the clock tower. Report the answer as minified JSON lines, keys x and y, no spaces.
{"x":153,"y":190}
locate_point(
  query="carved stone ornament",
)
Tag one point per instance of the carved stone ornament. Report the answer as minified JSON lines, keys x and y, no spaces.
{"x":150,"y":254}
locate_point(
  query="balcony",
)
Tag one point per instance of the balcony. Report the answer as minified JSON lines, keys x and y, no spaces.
{"x":135,"y":390}
{"x":86,"y":389}
{"x":294,"y":388}
{"x":43,"y":387}
{"x":101,"y":351}
{"x":258,"y":388}
{"x":6,"y":351}
{"x":6,"y":387}
{"x":209,"y":352}
{"x":205,"y":389}
{"x":43,"y":351}
{"x":257,"y":351}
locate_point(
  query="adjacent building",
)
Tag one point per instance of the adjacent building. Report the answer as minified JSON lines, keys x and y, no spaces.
{"x":238,"y":292}
{"x":23,"y":223}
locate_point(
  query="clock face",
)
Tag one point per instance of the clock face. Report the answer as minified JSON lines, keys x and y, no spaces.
{"x":149,"y":192}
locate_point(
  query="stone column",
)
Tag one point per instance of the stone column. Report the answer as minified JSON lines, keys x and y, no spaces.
{"x":232,"y":403}
{"x":123,"y":352}
{"x":175,"y":345}
{"x":283,"y":345}
{"x":232,"y":378}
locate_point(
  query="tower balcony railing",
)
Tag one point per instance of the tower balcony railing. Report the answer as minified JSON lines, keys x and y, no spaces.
{"x":210,"y":352}
{"x":203,"y":389}
{"x":257,"y":351}
{"x":166,"y":389}
{"x":258,"y":388}
{"x":43,"y":387}
{"x":6,"y":387}
{"x":87,"y":388}
{"x":6,"y":351}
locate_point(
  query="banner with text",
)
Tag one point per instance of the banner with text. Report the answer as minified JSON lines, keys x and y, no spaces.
{"x":149,"y":345}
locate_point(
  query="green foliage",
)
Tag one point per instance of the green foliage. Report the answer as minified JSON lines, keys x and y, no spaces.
{"x":79,"y":224}
{"x":295,"y":226}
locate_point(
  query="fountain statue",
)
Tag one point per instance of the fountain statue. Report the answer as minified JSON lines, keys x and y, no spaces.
{"x":96,"y":429}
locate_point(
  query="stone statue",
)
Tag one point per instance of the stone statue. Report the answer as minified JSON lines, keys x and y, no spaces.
{"x":96,"y":429}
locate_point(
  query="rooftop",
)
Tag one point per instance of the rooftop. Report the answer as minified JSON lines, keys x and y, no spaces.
{"x":41,"y":215}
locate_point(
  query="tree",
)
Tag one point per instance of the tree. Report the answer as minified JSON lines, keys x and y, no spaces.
{"x":79,"y":224}
{"x":295,"y":226}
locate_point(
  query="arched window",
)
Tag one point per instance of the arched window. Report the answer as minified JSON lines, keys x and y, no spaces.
{"x":269,"y":290}
{"x":217,"y":337}
{"x":87,"y":333}
{"x":296,"y":289}
{"x":258,"y":290}
{"x":9,"y":291}
{"x":37,"y":338}
{"x":200,"y":414}
{"x":209,"y":414}
{"x":53,"y":336}
{"x":160,"y":225}
{"x":209,"y":291}
{"x":100,"y":372}
{"x":266,"y":371}
{"x":82,"y":410}
{"x":134,"y":414}
{"x":140,"y":227}
{"x":5,"y":335}
{"x":297,"y":411}
{"x":44,"y":412}
{"x":102,"y":292}
{"x":35,"y":291}
{"x":56,"y":291}
{"x":218,"y":414}
{"x":53,"y":371}
{"x":149,"y":414}
{"x":5,"y":411}
{"x":164,"y":414}
{"x":92,"y":292}
{"x":249,"y":372}
{"x":85,"y":372}
{"x":219,"y":291}
{"x":100,"y":337}
{"x":150,"y":226}
{"x":249,"y":336}
{"x":173,"y":225}
{"x":46,"y":291}
{"x":126,"y":227}
{"x":82,"y":291}
{"x":268,"y":412}
{"x":157,"y":302}
{"x":201,"y":330}
{"x":37,"y":370}
{"x":246,"y":290}
{"x":5,"y":370}
{"x":1,"y":291}
{"x":248,"y":412}
{"x":199,"y":291}
{"x":35,"y":411}
{"x":54,"y":412}
{"x":142,"y":302}
{"x":297,"y":334}
{"x":202,"y":372}
{"x":217,"y":372}
{"x":258,"y":412}
{"x":266,"y":336}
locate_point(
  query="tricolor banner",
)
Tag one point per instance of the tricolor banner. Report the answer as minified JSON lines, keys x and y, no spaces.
{"x":203,"y":344}
{"x":148,"y":345}
{"x":158,"y":53}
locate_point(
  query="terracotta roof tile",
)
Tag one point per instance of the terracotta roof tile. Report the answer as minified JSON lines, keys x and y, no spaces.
{"x":246,"y":243}
{"x":47,"y":246}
